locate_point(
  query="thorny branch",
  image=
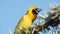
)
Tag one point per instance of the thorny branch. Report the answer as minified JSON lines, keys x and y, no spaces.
{"x":55,"y":17}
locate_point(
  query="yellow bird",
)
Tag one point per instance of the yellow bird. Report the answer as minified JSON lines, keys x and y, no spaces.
{"x":27,"y":20}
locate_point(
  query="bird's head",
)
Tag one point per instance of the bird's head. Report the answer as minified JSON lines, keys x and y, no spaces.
{"x":34,"y":10}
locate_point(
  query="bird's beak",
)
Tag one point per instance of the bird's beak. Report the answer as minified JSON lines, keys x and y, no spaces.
{"x":38,"y":10}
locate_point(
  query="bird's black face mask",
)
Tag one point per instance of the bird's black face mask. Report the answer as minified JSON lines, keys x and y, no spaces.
{"x":36,"y":11}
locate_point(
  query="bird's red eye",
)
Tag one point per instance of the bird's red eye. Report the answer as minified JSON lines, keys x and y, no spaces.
{"x":36,"y":9}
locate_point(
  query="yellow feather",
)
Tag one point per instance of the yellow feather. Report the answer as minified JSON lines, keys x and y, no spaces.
{"x":26,"y":21}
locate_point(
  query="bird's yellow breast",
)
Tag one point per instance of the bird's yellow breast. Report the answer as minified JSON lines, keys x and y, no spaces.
{"x":27,"y":22}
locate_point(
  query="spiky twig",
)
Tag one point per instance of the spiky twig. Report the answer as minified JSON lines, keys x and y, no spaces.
{"x":9,"y":30}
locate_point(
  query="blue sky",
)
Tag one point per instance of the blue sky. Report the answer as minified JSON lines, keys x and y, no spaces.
{"x":12,"y":10}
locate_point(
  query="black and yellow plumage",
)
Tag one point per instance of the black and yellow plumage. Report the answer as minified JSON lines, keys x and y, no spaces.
{"x":27,"y":20}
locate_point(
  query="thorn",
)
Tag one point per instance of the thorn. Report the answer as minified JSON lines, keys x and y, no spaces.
{"x":40,"y":16}
{"x":46,"y":13}
{"x":9,"y":30}
{"x":51,"y":5}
